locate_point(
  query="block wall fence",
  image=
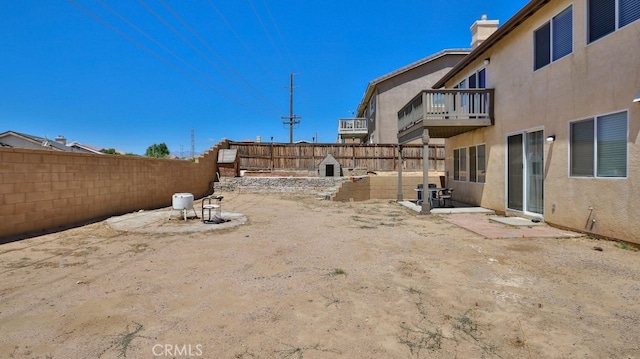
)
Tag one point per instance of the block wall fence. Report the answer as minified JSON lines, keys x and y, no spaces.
{"x":44,"y":190}
{"x":382,"y":187}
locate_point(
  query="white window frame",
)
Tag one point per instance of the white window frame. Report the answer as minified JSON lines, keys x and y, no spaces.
{"x":465,"y":168}
{"x":483,"y":178}
{"x":550,"y":41}
{"x":616,"y":26}
{"x":461,"y":168}
{"x":595,"y":120}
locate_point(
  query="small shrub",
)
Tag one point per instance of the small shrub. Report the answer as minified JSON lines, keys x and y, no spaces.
{"x":337,"y":271}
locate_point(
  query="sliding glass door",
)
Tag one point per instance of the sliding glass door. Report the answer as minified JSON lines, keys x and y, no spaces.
{"x":525,"y":172}
{"x":515,"y":171}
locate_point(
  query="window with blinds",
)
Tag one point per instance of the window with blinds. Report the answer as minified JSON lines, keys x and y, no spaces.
{"x":629,"y":11}
{"x":598,"y":146}
{"x":562,"y":34}
{"x":604,"y":17}
{"x":611,"y":156}
{"x":456,"y":165}
{"x":463,"y":164}
{"x":553,"y":40}
{"x":582,"y":148}
{"x":542,"y":48}
{"x":475,"y":167}
{"x":482,"y":163}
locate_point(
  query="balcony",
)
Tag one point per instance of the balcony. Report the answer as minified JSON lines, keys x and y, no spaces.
{"x":445,"y":113}
{"x":352,"y":127}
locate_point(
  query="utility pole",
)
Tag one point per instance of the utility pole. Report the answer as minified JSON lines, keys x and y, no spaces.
{"x":292,"y":119}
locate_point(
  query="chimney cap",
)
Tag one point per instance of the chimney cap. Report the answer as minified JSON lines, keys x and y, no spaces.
{"x":482,"y":29}
{"x":61,"y":139}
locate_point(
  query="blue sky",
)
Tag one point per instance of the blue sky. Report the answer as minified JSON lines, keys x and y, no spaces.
{"x":128,"y":74}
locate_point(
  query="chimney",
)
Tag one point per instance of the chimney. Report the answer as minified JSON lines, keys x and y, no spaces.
{"x":60,"y":139}
{"x":481,"y":30}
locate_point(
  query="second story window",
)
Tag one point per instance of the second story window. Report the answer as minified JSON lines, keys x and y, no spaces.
{"x":603,"y":17}
{"x":372,"y":105}
{"x":553,"y":40}
{"x":477,"y":80}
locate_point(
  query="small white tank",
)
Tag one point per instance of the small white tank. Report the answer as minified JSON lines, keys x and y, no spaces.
{"x":182,"y":201}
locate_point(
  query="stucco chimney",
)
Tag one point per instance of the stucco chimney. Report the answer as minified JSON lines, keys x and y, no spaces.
{"x":482,"y":29}
{"x":60,"y":139}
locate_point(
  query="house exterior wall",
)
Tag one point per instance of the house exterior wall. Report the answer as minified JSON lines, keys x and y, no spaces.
{"x":595,"y":79}
{"x":395,"y":92}
{"x":391,"y":94}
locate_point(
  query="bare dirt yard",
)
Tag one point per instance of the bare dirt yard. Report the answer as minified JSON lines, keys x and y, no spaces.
{"x":317,"y":279}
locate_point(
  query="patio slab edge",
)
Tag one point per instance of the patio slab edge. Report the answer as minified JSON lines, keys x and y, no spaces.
{"x":411,"y":205}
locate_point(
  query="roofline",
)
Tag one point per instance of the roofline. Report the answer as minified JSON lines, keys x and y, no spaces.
{"x":85,"y":147}
{"x":526,"y":12}
{"x":373,"y":83}
{"x":37,"y":140}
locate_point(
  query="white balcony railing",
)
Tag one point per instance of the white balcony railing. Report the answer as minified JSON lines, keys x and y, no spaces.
{"x":353,"y":126}
{"x":467,"y":104}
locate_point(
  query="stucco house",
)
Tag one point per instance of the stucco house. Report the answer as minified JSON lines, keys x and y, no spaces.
{"x":23,"y":140}
{"x":543,"y":118}
{"x":376,"y":120}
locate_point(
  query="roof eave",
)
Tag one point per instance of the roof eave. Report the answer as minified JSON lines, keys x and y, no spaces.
{"x":522,"y":15}
{"x":373,"y":83}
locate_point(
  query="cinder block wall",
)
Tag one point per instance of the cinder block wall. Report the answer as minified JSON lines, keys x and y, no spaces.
{"x":356,"y":188}
{"x":386,"y":187}
{"x":380,"y":187}
{"x":43,"y":190}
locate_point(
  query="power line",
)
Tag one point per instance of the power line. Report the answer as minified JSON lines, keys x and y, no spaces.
{"x":264,"y":28}
{"x":217,"y":55}
{"x":155,"y":41}
{"x":240,"y":40}
{"x":146,"y":49}
{"x":275,"y":25}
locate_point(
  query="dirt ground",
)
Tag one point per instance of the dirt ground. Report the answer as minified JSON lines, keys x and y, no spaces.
{"x":317,"y":279}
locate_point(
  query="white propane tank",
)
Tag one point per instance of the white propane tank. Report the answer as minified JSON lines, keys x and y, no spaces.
{"x":182,"y":201}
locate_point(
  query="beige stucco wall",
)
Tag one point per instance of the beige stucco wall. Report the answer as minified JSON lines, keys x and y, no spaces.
{"x":380,"y":187}
{"x":392,"y":94}
{"x":596,"y":79}
{"x":42,"y":190}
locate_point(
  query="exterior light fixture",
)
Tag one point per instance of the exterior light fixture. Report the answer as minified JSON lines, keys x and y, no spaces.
{"x":487,"y":61}
{"x":551,"y":138}
{"x":637,"y":99}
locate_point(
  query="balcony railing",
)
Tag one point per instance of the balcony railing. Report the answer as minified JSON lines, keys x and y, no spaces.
{"x":352,"y":126}
{"x":448,"y":108}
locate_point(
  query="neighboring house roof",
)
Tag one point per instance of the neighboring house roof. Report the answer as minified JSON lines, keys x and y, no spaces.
{"x":526,"y":12}
{"x":44,"y":142}
{"x":373,"y":83}
{"x":85,"y":148}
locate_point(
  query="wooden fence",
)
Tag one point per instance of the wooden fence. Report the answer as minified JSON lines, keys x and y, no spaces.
{"x":307,"y":156}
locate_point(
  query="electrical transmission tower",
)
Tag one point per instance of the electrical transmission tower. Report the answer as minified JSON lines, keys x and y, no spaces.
{"x":193,"y":144}
{"x":292,"y":119}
